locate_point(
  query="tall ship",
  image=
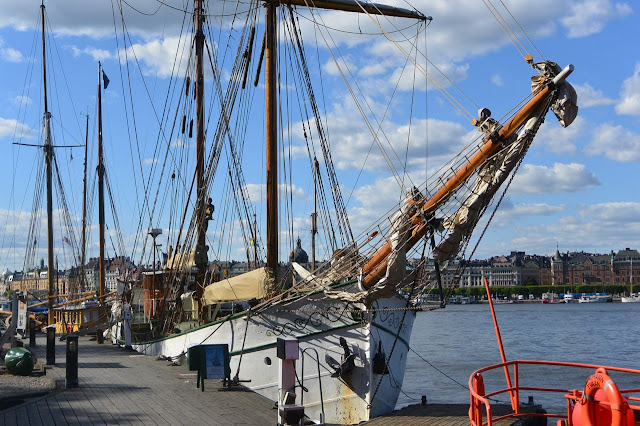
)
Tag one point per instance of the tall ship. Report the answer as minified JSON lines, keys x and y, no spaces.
{"x":353,"y":312}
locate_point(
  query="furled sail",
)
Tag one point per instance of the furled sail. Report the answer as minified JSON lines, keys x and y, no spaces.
{"x":255,"y":284}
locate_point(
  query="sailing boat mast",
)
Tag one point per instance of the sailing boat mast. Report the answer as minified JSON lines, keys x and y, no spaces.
{"x":272,"y":136}
{"x":100,"y":186}
{"x":314,"y":215}
{"x":48,"y":152}
{"x":84,"y":209}
{"x":201,"y":251}
{"x":271,"y":97}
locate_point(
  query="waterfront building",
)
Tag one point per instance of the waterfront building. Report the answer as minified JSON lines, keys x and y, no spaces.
{"x":577,"y":268}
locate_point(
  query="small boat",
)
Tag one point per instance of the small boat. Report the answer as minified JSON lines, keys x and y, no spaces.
{"x":568,"y":298}
{"x":549,"y":297}
{"x":595,"y":298}
{"x":632,"y":298}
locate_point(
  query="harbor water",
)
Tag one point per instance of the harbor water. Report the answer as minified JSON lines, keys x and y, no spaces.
{"x":460,"y":339}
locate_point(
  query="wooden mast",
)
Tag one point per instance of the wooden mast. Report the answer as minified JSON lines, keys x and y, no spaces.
{"x":48,"y":152}
{"x":272,"y":136}
{"x":83,"y":253}
{"x":100,"y":186}
{"x":314,"y":215}
{"x":201,"y":250}
{"x":271,"y":97}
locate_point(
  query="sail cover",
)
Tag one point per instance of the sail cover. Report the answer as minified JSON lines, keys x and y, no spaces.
{"x":247,"y":286}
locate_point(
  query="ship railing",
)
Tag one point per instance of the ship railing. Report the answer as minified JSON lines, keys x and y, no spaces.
{"x":479,"y":398}
{"x":303,"y":389}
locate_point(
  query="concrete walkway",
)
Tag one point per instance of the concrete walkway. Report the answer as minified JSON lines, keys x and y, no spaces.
{"x":121,"y":387}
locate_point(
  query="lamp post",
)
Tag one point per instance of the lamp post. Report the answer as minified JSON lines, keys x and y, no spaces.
{"x":154,"y":232}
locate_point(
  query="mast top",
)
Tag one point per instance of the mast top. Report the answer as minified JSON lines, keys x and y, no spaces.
{"x":356,"y":6}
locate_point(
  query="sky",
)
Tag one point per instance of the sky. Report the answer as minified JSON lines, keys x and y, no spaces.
{"x":576,"y":189}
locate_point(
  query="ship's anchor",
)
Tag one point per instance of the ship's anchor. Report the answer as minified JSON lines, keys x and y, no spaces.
{"x":346,"y":364}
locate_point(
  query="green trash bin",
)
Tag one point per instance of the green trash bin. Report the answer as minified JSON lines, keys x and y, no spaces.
{"x":19,"y":361}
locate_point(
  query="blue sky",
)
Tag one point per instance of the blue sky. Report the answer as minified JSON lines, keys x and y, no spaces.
{"x":576,"y":188}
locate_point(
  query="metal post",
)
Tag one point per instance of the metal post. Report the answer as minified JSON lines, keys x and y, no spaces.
{"x":127,"y":326}
{"x":71,"y":379}
{"x":287,"y":350}
{"x":14,"y":319}
{"x":32,"y":333}
{"x":51,"y":345}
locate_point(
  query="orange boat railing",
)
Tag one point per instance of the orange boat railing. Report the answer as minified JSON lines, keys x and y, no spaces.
{"x":481,"y":404}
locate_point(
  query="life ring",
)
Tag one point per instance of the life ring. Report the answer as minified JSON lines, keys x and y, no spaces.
{"x":589,"y":413}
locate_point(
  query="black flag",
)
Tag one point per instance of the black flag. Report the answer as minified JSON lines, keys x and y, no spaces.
{"x":105,"y":80}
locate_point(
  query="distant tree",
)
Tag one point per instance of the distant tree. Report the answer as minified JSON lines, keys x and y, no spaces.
{"x":531,"y":281}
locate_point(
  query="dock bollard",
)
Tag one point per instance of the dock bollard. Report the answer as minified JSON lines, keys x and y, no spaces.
{"x":99,"y":337}
{"x":71,"y":379}
{"x":32,"y":333}
{"x":51,"y":345}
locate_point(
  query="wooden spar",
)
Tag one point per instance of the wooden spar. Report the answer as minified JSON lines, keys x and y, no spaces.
{"x":48,"y":151}
{"x":271,"y":96}
{"x":82,"y":299}
{"x":314,"y":215}
{"x":84,"y":208}
{"x":200,"y":183}
{"x":376,"y":267}
{"x":272,"y":136}
{"x":100,"y":186}
{"x":255,"y":242}
{"x":356,"y":6}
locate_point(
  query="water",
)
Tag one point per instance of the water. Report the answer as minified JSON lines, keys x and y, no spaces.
{"x":461,"y":339}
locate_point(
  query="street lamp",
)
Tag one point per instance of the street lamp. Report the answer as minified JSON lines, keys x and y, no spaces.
{"x":154,"y":232}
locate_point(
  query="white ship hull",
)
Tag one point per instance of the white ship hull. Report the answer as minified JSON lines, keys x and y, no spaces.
{"x":319,"y":323}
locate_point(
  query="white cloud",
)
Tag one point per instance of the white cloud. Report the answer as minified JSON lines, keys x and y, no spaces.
{"x":74,"y":18}
{"x":590,"y":97}
{"x":630,"y":94}
{"x":560,"y":178}
{"x":10,"y":127}
{"x":257,"y":191}
{"x":9,"y":54}
{"x":590,"y":16}
{"x":598,"y":228}
{"x":353,"y":146}
{"x":344,"y":66}
{"x":150,"y":161}
{"x":158,"y":55}
{"x":535,"y":209}
{"x":615,"y":143}
{"x":559,"y":140}
{"x":96,"y":54}
{"x":509,"y":212}
{"x":21,"y":100}
{"x":497,"y":80}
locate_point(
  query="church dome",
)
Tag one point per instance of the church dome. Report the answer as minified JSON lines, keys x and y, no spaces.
{"x":299,"y":255}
